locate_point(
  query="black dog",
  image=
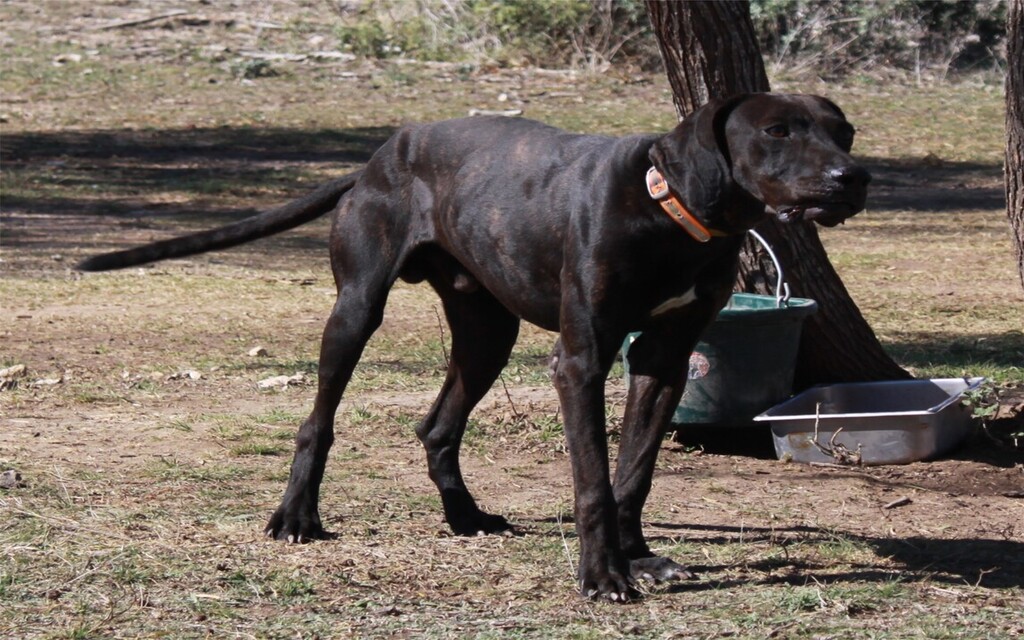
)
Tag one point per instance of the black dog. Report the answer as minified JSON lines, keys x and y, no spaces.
{"x":510,"y":219}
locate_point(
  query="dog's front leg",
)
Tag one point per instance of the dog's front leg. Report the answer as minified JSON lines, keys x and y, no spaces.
{"x":658,"y":364}
{"x":582,"y":361}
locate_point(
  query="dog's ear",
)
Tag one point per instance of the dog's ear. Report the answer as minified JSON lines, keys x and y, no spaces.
{"x":694,"y":158}
{"x":845,"y":142}
{"x":831,"y":105}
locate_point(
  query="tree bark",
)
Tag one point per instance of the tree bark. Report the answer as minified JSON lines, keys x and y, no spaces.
{"x":1015,"y":128}
{"x":710,"y":50}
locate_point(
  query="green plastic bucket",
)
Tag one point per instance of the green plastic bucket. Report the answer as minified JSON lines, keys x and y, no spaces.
{"x":745,"y":361}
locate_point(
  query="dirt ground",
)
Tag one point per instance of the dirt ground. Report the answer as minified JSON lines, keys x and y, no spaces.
{"x":122,"y":436}
{"x":138,"y":426}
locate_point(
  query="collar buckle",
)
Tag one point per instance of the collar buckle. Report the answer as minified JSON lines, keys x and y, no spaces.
{"x":658,"y":189}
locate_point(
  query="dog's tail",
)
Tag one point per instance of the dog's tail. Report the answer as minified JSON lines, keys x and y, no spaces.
{"x":285,"y":217}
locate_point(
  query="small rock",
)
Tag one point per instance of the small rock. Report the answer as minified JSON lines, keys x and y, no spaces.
{"x":189,"y":374}
{"x":342,"y":56}
{"x":282,"y":382}
{"x":9,"y":377}
{"x":12,"y":372}
{"x":508,"y":113}
{"x":259,"y":352}
{"x":65,"y":58}
{"x":47,"y":382}
{"x":10,"y":479}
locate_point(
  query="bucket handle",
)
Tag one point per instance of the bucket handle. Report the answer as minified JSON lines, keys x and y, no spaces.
{"x":781,"y":286}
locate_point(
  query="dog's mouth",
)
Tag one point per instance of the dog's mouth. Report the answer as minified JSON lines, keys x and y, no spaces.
{"x":827,"y":214}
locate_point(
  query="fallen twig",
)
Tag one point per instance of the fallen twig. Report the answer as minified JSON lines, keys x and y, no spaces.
{"x":565,"y":546}
{"x":133,"y":23}
{"x":517,"y":416}
{"x":440,"y":330}
{"x":827,"y":465}
{"x":838,"y":451}
{"x":898,"y":502}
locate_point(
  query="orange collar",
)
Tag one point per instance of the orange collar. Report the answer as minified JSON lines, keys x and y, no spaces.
{"x":658,"y":188}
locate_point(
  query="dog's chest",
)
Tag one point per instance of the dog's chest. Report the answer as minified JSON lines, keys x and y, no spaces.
{"x":675,"y":302}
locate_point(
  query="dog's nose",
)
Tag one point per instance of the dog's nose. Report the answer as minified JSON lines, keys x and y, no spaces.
{"x":850,"y":175}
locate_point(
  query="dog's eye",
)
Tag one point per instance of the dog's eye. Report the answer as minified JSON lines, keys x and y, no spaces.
{"x":778,"y":131}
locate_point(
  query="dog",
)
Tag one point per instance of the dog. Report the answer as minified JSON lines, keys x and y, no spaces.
{"x":590,"y":236}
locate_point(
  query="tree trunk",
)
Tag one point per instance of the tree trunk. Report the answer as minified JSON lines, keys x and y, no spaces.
{"x":710,"y":50}
{"x":1015,"y":128}
{"x":691,"y":39}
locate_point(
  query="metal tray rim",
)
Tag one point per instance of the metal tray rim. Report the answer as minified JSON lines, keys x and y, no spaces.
{"x":768,"y":416}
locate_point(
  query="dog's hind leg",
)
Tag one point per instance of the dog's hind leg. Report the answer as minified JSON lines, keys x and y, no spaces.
{"x":297,"y":519}
{"x":483,"y":333}
{"x":363,"y":285}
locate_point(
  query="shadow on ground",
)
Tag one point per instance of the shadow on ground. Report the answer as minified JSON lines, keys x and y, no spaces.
{"x":58,"y":185}
{"x":132,"y":173}
{"x":214,"y":145}
{"x":970,"y":562}
{"x":959,"y":350}
{"x":753,"y":441}
{"x":933,"y":185}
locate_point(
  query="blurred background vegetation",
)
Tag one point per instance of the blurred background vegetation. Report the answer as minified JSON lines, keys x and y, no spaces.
{"x":827,"y":38}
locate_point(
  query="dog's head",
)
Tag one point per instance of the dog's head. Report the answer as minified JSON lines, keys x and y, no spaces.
{"x":735,"y":159}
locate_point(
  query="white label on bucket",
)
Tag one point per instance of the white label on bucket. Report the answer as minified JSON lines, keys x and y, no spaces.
{"x":699,"y":366}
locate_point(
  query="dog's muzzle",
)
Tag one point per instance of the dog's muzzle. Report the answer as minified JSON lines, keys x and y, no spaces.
{"x":846,"y":189}
{"x":827,"y":215}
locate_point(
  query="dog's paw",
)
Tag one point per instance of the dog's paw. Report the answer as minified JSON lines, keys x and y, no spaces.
{"x":607,"y":585}
{"x":658,"y":569}
{"x":295,"y":525}
{"x":480,"y":523}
